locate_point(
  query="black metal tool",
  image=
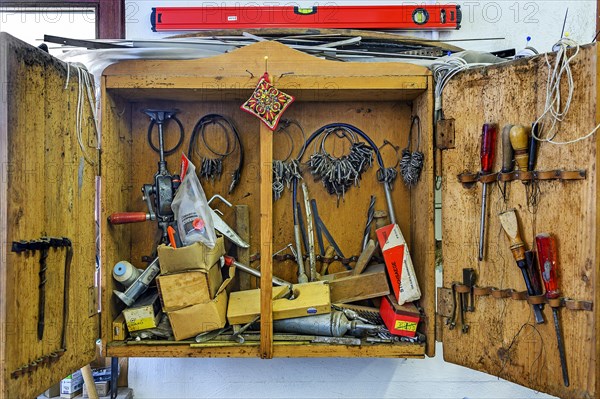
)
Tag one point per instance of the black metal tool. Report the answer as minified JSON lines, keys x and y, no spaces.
{"x":469,"y":279}
{"x":451,"y":322}
{"x":508,"y":220}
{"x":313,"y":205}
{"x":43,"y":245}
{"x":164,"y":186}
{"x":302,"y":227}
{"x":548,"y":256}
{"x":323,"y":228}
{"x":370,"y":216}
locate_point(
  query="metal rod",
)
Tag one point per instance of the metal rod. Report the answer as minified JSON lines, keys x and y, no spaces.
{"x":302,"y":277}
{"x":390,"y":204}
{"x":256,"y":273}
{"x":482,"y":221}
{"x":310,"y":231}
{"x":370,"y":215}
{"x":561,"y":347}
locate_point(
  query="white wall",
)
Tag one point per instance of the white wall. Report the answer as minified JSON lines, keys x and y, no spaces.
{"x":358,"y":378}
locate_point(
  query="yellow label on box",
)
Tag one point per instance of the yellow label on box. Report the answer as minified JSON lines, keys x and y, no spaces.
{"x":141,"y":323}
{"x":405,"y":325}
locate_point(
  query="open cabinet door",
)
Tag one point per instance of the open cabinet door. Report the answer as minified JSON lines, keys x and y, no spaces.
{"x":503,"y":338}
{"x":46,"y":190}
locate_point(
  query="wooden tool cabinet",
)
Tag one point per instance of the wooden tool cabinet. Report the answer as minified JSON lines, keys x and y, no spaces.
{"x":47,"y":189}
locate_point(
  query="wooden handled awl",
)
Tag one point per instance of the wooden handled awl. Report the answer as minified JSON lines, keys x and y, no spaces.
{"x":510,"y":224}
{"x":519,"y":138}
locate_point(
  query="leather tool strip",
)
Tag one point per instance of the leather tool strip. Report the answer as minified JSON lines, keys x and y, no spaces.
{"x":470,"y":177}
{"x":569,"y":303}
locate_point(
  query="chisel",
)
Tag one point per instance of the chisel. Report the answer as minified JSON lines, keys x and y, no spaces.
{"x":509,"y":222}
{"x":548,"y":257}
{"x":508,"y":155}
{"x":488,"y":146}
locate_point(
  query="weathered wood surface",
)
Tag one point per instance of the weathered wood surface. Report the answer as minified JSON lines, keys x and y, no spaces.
{"x":503,"y":340}
{"x":45,"y":189}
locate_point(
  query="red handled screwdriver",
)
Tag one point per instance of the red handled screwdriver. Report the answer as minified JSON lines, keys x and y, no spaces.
{"x":548,"y":258}
{"x":488,"y":148}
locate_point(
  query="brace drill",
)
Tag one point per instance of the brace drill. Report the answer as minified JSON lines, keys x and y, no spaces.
{"x":164,"y":186}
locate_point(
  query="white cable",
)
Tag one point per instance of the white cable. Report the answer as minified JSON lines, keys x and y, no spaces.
{"x":84,"y":90}
{"x":555,"y":111}
{"x":444,"y":71}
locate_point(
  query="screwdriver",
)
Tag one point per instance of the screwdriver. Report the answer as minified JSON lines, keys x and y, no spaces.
{"x":509,"y":222}
{"x":548,"y":257}
{"x":488,"y":147}
{"x":508,"y":155}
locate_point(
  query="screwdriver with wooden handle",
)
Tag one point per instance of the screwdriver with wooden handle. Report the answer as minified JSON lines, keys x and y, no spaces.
{"x":548,"y":258}
{"x":509,"y":222}
{"x":488,"y":147}
{"x":508,"y":155}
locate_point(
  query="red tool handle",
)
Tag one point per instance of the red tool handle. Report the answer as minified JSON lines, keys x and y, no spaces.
{"x":228,"y":260}
{"x":488,"y":146}
{"x":127,"y":217}
{"x":548,"y":257}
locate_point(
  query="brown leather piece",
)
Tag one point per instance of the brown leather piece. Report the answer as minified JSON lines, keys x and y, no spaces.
{"x":504,"y":177}
{"x":462,"y":289}
{"x":491,"y":178}
{"x":524,"y":175}
{"x":482,"y":291}
{"x":556,"y":302}
{"x":469,"y":177}
{"x":518,"y":295}
{"x":499,"y":294}
{"x":572,"y":304}
{"x":536,"y":299}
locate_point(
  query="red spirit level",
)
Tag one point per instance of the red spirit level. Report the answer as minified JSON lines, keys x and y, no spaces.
{"x":364,"y":17}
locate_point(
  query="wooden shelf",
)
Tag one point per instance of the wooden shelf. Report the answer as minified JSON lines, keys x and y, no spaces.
{"x":280,"y":349}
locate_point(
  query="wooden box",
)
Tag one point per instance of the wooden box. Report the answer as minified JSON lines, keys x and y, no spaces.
{"x":49,"y":188}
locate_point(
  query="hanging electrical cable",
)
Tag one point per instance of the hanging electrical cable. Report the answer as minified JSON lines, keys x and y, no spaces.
{"x":84,"y":89}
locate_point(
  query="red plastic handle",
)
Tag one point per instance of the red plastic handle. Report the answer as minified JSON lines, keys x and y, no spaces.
{"x":548,"y":257}
{"x":229,"y":260}
{"x":488,"y":146}
{"x":127,"y":217}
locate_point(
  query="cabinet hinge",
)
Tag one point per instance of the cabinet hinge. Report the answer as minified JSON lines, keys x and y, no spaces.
{"x":444,"y":134}
{"x":92,"y":301}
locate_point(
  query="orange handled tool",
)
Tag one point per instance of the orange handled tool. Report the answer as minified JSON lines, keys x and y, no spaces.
{"x":128,"y":217}
{"x":548,"y":257}
{"x":171,"y":234}
{"x":488,"y":148}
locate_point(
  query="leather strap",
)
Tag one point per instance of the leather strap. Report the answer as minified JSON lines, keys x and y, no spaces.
{"x":571,"y":304}
{"x":462,"y":289}
{"x":468,"y":178}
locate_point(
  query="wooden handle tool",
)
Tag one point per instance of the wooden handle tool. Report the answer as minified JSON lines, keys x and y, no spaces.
{"x":519,"y":138}
{"x":510,"y":224}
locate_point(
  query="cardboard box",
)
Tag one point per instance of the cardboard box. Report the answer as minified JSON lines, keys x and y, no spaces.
{"x":193,"y":257}
{"x":401,"y":320}
{"x":53,"y":391}
{"x":398,"y":264}
{"x":184,"y":289}
{"x":102,"y":388}
{"x":119,"y":328}
{"x":72,"y":385}
{"x":193,"y":320}
{"x":144,"y":313}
